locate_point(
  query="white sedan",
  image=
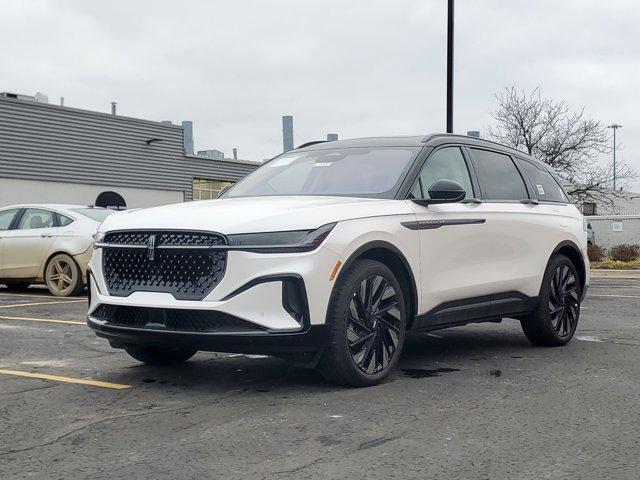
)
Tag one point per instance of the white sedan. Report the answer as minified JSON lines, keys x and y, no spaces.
{"x":48,"y":244}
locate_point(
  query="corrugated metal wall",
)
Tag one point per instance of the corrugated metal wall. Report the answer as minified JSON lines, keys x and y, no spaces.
{"x":46,"y":142}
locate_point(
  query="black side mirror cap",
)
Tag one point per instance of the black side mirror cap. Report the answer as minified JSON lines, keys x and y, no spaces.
{"x":443,"y":191}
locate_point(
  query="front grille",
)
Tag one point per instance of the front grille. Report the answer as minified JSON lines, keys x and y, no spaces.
{"x":177,"y":320}
{"x":163,"y":261}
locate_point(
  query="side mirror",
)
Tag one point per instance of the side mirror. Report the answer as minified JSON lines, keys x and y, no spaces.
{"x":443,"y":191}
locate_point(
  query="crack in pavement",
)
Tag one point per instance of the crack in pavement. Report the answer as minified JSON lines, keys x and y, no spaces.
{"x":27,"y":390}
{"x":301,"y":467}
{"x":81,"y":425}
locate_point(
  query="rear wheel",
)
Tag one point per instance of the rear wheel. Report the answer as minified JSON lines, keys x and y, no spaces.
{"x":161,"y":355}
{"x":555,"y":319}
{"x":62,"y":276}
{"x":367,"y":326}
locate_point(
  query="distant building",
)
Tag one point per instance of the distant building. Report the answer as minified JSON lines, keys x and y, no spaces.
{"x":55,"y":154}
{"x":624,"y":203}
{"x":215,"y":154}
{"x":615,"y":223}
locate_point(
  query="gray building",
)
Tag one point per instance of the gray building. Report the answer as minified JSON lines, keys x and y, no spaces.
{"x":54,"y":154}
{"x":615,"y":222}
{"x":612,"y":230}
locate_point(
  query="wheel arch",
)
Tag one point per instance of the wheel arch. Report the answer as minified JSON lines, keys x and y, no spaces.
{"x":570,"y":250}
{"x":43,"y":269}
{"x":390,"y":256}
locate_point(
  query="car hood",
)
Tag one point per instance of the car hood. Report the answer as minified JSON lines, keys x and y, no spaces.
{"x":254,"y":214}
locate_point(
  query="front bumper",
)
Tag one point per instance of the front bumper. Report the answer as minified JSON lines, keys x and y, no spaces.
{"x":303,"y":347}
{"x":265,"y":293}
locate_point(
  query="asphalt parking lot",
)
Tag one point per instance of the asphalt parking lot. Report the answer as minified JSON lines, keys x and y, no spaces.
{"x":476,"y":402}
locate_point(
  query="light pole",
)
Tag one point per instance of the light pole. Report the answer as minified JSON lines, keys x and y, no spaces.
{"x":450,"y":67}
{"x":615,"y":127}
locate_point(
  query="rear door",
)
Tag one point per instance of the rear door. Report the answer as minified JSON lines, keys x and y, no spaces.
{"x":7,"y":220}
{"x":27,"y":245}
{"x":518,"y":235}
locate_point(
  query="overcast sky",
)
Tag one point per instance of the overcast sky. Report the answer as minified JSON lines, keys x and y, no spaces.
{"x":356,"y":68}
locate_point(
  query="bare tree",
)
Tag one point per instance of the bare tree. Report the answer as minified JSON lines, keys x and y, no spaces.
{"x":572,"y":144}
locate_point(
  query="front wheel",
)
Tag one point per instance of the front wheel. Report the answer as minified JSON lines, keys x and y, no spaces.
{"x":555,"y":319}
{"x":161,"y":355}
{"x":367,"y":318}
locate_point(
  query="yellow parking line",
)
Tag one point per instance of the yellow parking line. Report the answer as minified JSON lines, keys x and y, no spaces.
{"x":57,"y":378}
{"x":47,"y":320}
{"x":16,"y":305}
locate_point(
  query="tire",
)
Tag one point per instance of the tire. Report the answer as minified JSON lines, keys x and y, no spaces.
{"x":63,"y":276}
{"x":554,"y":321}
{"x":364,"y":347}
{"x":17,"y":286}
{"x":161,"y":355}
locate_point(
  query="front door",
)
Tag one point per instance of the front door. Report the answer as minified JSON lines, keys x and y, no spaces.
{"x":25,"y":248}
{"x":453,"y":239}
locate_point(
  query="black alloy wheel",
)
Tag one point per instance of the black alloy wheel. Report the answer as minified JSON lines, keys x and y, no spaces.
{"x":564,"y":301}
{"x":373,"y":325}
{"x":366,"y":325}
{"x":555,"y":319}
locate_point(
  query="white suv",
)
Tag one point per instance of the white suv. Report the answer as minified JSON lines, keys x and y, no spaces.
{"x":328,"y":254}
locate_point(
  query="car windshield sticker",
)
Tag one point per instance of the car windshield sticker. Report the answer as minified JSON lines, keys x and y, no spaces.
{"x":281,"y":162}
{"x":540,"y":189}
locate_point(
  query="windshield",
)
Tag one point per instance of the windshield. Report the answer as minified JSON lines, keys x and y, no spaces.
{"x":97,"y":214}
{"x":365,"y":172}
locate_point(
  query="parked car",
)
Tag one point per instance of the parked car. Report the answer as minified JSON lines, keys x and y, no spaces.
{"x":48,"y":244}
{"x":328,"y":254}
{"x":591,"y":236}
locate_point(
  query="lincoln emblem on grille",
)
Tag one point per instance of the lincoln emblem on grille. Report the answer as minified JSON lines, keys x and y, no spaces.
{"x":151,"y":249}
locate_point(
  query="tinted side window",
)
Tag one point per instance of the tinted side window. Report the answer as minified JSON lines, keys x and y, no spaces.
{"x":543,"y":183}
{"x":499,"y":178}
{"x":446,"y":163}
{"x":35,"y":218}
{"x":63,"y":220}
{"x":6,"y":218}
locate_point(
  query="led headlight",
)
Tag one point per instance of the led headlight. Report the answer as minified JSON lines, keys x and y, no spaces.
{"x":280,"y":242}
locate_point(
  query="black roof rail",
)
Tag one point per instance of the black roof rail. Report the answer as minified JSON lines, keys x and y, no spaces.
{"x":311,"y":143}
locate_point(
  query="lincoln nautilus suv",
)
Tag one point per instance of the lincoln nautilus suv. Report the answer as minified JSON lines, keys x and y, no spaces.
{"x":330,"y":254}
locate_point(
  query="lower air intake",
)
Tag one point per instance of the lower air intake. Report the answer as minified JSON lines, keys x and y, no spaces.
{"x":177,"y":320}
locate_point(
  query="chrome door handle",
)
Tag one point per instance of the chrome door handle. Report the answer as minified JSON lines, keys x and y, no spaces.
{"x":46,"y":235}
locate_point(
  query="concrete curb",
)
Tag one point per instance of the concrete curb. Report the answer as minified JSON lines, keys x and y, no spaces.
{"x":598,"y":272}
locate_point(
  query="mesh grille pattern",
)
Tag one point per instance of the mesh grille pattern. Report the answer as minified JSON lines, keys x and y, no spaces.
{"x":128,"y":238}
{"x":186,"y":274}
{"x":172,"y":319}
{"x":176,"y":238}
{"x":189,"y":238}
